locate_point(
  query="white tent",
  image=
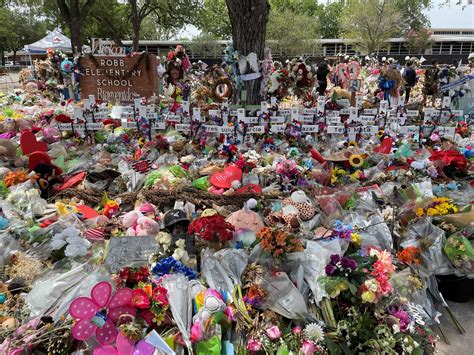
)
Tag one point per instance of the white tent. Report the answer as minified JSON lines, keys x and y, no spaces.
{"x":54,"y":40}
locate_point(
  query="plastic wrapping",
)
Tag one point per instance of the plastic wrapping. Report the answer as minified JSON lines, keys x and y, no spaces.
{"x":430,"y":239}
{"x":179,"y":298}
{"x":53,"y":293}
{"x":223,"y":269}
{"x":314,"y":260}
{"x":372,"y":229}
{"x":283,"y":297}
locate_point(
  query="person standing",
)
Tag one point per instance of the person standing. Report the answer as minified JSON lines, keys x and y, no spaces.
{"x":409,"y":75}
{"x":321,"y":75}
{"x":431,"y":87}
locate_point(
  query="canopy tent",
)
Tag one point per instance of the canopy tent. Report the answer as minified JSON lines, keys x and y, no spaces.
{"x":54,"y":40}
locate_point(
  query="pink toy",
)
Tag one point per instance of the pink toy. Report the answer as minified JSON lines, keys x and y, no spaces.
{"x":99,"y":314}
{"x":138,"y":225}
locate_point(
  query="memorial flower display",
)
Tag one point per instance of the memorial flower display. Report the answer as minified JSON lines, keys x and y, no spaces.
{"x":183,"y":220}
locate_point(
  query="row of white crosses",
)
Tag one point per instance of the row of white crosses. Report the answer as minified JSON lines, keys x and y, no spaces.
{"x":365,"y":121}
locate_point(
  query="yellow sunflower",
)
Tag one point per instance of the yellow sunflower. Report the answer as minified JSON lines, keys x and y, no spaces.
{"x":380,"y":133}
{"x":356,"y":160}
{"x":352,"y":144}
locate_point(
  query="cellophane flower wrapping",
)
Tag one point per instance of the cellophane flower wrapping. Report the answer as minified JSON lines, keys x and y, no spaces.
{"x":283,"y":297}
{"x":430,"y":239}
{"x":222,"y":270}
{"x":180,"y":301}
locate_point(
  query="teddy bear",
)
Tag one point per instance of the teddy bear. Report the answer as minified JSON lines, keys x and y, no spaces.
{"x":139,"y":225}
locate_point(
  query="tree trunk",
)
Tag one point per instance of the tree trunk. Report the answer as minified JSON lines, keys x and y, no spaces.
{"x":76,"y":35}
{"x":14,"y":56}
{"x":249,"y":19}
{"x":136,"y":35}
{"x":3,"y":56}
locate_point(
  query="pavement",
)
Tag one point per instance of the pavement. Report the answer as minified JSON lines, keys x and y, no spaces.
{"x":461,"y":344}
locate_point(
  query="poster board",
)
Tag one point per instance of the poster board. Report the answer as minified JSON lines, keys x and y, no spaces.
{"x":118,"y":78}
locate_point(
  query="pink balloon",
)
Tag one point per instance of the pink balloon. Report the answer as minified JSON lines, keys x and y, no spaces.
{"x":51,"y":134}
{"x":376,"y":71}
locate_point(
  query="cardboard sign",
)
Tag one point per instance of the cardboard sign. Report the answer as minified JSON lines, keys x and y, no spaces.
{"x":118,"y":78}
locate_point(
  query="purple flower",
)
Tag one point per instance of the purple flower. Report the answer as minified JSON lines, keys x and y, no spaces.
{"x":330,"y":269}
{"x":345,"y":262}
{"x":352,"y":264}
{"x":335,"y":258}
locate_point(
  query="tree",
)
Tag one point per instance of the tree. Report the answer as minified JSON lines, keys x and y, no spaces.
{"x":418,"y":40}
{"x":283,"y":36}
{"x":214,"y":19}
{"x":169,"y":14}
{"x":74,"y":13}
{"x":413,"y":15}
{"x":329,"y":19}
{"x":248,"y":19}
{"x":7,"y":37}
{"x":370,"y":23}
{"x":109,"y":19}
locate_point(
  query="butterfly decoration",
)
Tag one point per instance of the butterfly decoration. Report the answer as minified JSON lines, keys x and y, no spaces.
{"x":99,"y":314}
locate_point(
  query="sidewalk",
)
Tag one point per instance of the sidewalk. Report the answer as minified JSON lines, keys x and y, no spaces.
{"x":461,"y":344}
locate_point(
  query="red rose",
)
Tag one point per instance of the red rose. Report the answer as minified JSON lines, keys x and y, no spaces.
{"x":140,"y":299}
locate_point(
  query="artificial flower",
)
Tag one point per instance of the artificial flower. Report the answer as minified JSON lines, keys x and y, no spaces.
{"x":314,"y":332}
{"x":356,"y":160}
{"x":273,"y":332}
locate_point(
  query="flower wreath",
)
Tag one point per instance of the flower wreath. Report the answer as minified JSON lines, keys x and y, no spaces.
{"x":226,"y":94}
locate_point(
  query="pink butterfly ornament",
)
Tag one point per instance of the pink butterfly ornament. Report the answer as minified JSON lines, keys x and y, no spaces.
{"x":99,"y":314}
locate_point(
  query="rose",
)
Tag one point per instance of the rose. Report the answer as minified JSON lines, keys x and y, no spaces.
{"x":273,"y":332}
{"x":254,"y":344}
{"x":308,"y":348}
{"x":296,"y":330}
{"x":140,"y":299}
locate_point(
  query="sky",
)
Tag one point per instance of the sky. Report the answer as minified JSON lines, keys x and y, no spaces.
{"x":452,"y":16}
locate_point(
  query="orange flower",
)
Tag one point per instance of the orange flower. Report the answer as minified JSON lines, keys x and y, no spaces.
{"x":410,"y":255}
{"x":148,"y":290}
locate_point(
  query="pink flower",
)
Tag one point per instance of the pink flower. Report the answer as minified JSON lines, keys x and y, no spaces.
{"x":296,"y":330}
{"x":273,"y":332}
{"x":308,"y":348}
{"x":254,"y":344}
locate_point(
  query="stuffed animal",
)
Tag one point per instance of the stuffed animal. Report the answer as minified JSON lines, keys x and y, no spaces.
{"x":246,"y":219}
{"x":139,"y":225}
{"x":210,"y":304}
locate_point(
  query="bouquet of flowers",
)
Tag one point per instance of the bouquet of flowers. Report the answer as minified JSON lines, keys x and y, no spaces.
{"x":212,"y":229}
{"x":371,"y":317}
{"x":440,"y":206}
{"x":278,"y":242}
{"x":460,"y":252}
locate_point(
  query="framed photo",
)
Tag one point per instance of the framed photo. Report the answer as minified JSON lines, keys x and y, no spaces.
{"x":354,"y":85}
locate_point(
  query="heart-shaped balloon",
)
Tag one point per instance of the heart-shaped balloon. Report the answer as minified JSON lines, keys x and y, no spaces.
{"x":224,"y":179}
{"x":29,"y":144}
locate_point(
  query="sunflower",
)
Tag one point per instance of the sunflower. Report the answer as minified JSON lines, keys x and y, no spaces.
{"x":352,"y":144}
{"x":380,"y":133}
{"x":356,"y":160}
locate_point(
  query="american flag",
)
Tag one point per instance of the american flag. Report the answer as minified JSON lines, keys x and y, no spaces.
{"x":95,"y":234}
